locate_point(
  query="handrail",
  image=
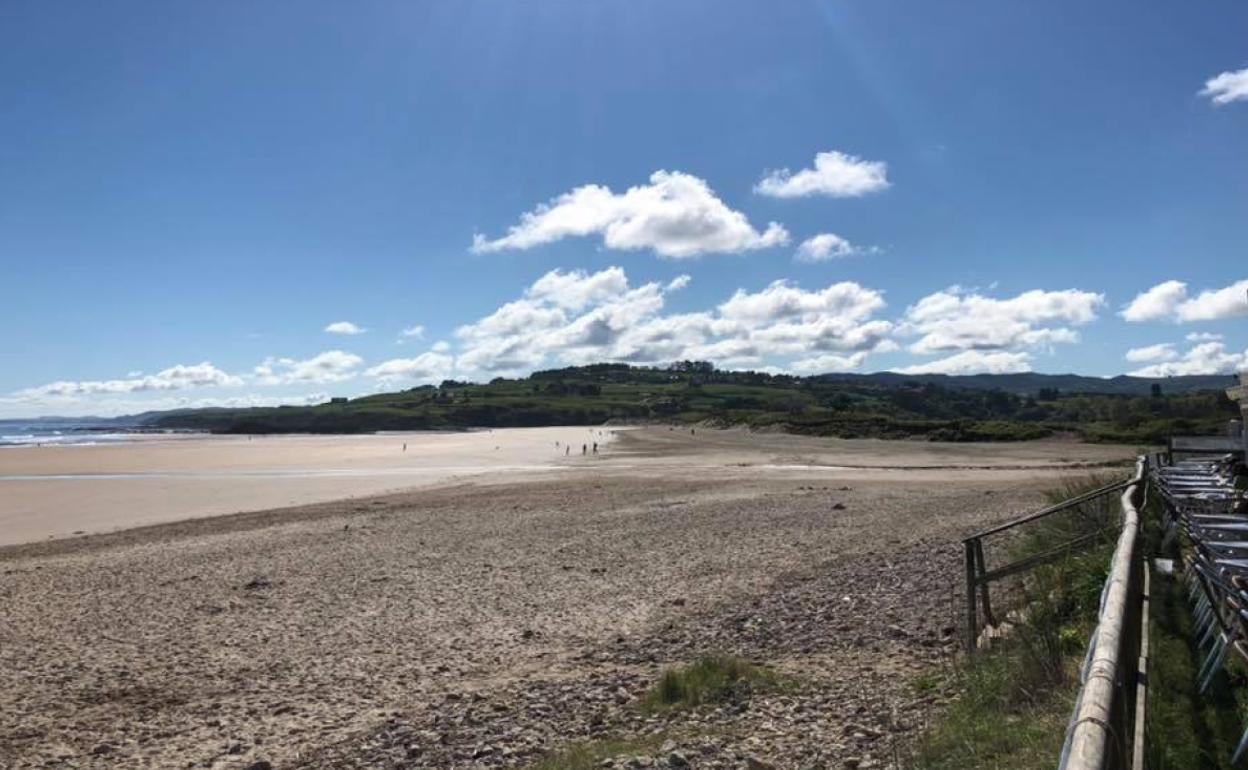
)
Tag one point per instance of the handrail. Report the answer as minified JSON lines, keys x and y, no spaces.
{"x":1071,"y":503}
{"x":1090,"y":732}
{"x":979,"y":577}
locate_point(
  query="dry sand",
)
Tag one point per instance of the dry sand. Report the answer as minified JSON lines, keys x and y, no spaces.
{"x":483,"y":623}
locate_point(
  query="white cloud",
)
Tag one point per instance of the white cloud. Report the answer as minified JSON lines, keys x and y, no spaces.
{"x":441,"y":346}
{"x":416,"y":332}
{"x":782,"y":300}
{"x":1205,"y":358}
{"x":576,"y":289}
{"x":577,"y":317}
{"x":973,"y":362}
{"x":344,"y":327}
{"x":426,"y":367}
{"x":1227,"y":87}
{"x":830,"y":363}
{"x":678,"y":283}
{"x":110,"y":406}
{"x":178,"y":377}
{"x":1203,"y":337}
{"x":835,"y":174}
{"x":825,"y":246}
{"x":1170,"y":301}
{"x":330,"y":366}
{"x":1160,"y":352}
{"x":956,"y":319}
{"x":677,"y":215}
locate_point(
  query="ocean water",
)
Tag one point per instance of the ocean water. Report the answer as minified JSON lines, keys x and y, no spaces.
{"x":24,"y":433}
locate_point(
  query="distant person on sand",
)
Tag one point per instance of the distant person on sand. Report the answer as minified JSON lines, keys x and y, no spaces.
{"x":404,"y":446}
{"x":567,"y":450}
{"x":584,"y":449}
{"x":595,"y":447}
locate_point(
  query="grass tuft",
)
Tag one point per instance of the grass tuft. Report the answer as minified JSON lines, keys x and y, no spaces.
{"x":711,"y":679}
{"x":587,"y":755}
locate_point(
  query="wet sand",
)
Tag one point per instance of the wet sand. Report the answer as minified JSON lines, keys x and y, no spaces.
{"x":487,"y":621}
{"x":58,"y":491}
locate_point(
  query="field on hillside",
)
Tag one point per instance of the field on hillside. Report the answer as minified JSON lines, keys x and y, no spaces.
{"x":697,"y":393}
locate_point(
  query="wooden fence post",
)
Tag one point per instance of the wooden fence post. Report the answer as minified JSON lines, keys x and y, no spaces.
{"x":972,"y":614}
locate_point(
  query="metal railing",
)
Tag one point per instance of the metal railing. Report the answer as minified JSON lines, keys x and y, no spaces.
{"x":979,"y":578}
{"x":1105,"y":723}
{"x":1106,"y":727}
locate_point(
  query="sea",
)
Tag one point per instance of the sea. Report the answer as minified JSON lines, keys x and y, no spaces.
{"x":69,"y":431}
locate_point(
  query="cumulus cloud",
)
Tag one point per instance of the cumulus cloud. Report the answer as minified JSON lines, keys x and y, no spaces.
{"x":344,"y":327}
{"x":568,"y":318}
{"x":957,"y":319}
{"x":823,"y":247}
{"x":1203,"y":337}
{"x":1205,"y":358}
{"x":109,"y":406}
{"x":676,"y":215}
{"x":1169,"y":301}
{"x":974,"y":362}
{"x":426,"y":367}
{"x":830,"y":363}
{"x":416,"y":332}
{"x":178,"y":377}
{"x":835,"y":174}
{"x":1227,"y":87}
{"x":326,"y":367}
{"x":1161,"y":352}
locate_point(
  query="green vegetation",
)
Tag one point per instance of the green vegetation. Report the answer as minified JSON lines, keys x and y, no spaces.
{"x":711,"y":679}
{"x":1014,"y":700}
{"x":1186,"y":729}
{"x":589,"y":755}
{"x":694,"y":392}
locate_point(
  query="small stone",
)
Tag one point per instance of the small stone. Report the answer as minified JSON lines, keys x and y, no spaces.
{"x":262,"y":764}
{"x":676,"y":759}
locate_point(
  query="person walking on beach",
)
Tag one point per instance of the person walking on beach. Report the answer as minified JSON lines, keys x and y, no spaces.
{"x":567,"y":450}
{"x":584,"y":449}
{"x":595,"y":447}
{"x":404,"y":446}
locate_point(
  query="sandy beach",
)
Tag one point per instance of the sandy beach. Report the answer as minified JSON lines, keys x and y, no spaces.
{"x":504,"y":603}
{"x":56,"y":491}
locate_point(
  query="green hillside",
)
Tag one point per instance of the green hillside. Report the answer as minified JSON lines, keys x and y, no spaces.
{"x":694,"y":392}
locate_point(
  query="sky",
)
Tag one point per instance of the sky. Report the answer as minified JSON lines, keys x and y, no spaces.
{"x":255,"y":203}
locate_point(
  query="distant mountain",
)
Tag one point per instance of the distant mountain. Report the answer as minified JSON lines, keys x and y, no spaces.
{"x":1030,"y":383}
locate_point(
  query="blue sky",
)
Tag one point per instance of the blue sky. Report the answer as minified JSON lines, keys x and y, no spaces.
{"x":190,"y":194}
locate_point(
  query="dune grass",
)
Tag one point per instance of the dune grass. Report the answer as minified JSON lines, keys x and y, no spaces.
{"x":711,"y":679}
{"x":587,"y":755}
